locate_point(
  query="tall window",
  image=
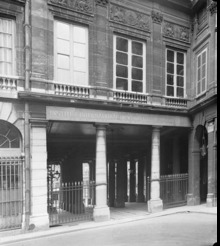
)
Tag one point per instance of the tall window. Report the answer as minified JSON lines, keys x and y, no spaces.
{"x":201,"y":72}
{"x":71,"y":54}
{"x":7,"y":52}
{"x":129,"y":64}
{"x":175,"y":73}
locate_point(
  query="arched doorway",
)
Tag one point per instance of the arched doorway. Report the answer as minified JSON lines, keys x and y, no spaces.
{"x":10,"y":177}
{"x":202,"y":139}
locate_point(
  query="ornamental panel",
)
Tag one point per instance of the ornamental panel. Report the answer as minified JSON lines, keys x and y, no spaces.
{"x":128,"y":17}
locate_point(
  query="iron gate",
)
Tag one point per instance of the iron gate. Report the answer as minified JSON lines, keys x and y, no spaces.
{"x":10,"y":192}
{"x":70,"y":202}
{"x":173,"y":189}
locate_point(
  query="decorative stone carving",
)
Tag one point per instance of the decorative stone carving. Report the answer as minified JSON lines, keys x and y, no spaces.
{"x":129,"y":17}
{"x":157,"y":17}
{"x":169,"y":30}
{"x":102,"y":2}
{"x":172,"y":30}
{"x":213,"y":7}
{"x":85,"y":6}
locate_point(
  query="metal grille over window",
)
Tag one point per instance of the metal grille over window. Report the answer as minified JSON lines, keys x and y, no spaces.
{"x":10,"y":192}
{"x":129,"y":65}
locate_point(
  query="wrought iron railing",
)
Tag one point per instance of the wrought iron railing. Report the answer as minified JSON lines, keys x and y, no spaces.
{"x":10,"y":192}
{"x":70,"y":202}
{"x":173,"y":189}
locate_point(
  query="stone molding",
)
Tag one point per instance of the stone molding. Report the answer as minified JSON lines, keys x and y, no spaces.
{"x":84,"y":6}
{"x":212,"y":7}
{"x":102,"y":3}
{"x":174,"y":31}
{"x":128,"y":17}
{"x":157,"y":17}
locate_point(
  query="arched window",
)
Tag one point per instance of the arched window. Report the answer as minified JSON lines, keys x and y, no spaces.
{"x":9,"y":136}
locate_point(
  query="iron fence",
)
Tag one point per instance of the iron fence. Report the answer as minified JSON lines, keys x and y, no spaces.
{"x":71,"y":202}
{"x":11,"y":201}
{"x":173,"y":189}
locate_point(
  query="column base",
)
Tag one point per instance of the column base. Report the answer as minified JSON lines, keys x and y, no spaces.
{"x":101,"y":214}
{"x":193,"y":200}
{"x":211,"y":200}
{"x":37,"y":223}
{"x":155,"y":206}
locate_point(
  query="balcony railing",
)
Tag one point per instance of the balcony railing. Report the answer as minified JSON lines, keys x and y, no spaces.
{"x":176,"y":102}
{"x":71,"y":90}
{"x":8,"y":83}
{"x":130,"y":97}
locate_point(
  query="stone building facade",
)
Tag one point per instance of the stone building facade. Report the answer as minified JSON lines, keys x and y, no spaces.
{"x":108,"y":83}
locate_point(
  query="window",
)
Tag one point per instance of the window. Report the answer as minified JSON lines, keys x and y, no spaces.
{"x":175,"y":73}
{"x":9,"y":136}
{"x":7,"y":51}
{"x":129,"y":64}
{"x":201,"y":72}
{"x":71,"y":54}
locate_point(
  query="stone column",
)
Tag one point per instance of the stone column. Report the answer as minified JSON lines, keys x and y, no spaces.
{"x":176,"y":156}
{"x":132,"y":195}
{"x":39,"y":218}
{"x":211,"y":199}
{"x":140,"y":197}
{"x":155,"y":204}
{"x":101,"y":210}
{"x":120,"y":202}
{"x":111,"y":183}
{"x":193,"y":196}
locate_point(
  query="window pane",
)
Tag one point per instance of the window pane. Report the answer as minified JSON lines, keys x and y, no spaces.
{"x":63,"y":46}
{"x":79,"y":64}
{"x":122,"y":84}
{"x":122,"y":58}
{"x":2,"y":140}
{"x":79,"y":50}
{"x":170,"y":68}
{"x":137,"y":48}
{"x":137,"y":86}
{"x":122,"y":44}
{"x":137,"y":74}
{"x":63,"y":30}
{"x":199,"y":61}
{"x":63,"y":61}
{"x":204,"y":57}
{"x":79,"y":34}
{"x":15,"y":143}
{"x":180,"y":70}
{"x":137,"y":61}
{"x":170,"y":91}
{"x":180,"y":58}
{"x":203,"y":85}
{"x":180,"y":92}
{"x":169,"y":79}
{"x":170,"y":56}
{"x":198,"y":88}
{"x":199,"y":74}
{"x":203,"y":71}
{"x":180,"y":81}
{"x":79,"y":78}
{"x":63,"y":76}
{"x":121,"y":71}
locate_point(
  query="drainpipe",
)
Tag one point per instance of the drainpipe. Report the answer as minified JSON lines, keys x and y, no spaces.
{"x":27,"y":50}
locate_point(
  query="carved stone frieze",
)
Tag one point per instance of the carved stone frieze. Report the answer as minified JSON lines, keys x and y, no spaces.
{"x":157,"y":17}
{"x":85,"y":6}
{"x":175,"y":31}
{"x":213,"y":7}
{"x":103,"y":3}
{"x":129,"y":17}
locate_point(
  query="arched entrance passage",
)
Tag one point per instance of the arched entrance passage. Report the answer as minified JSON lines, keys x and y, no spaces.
{"x":10,"y":177}
{"x":201,"y":142}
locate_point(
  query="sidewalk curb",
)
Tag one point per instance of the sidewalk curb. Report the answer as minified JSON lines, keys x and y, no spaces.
{"x":71,"y":228}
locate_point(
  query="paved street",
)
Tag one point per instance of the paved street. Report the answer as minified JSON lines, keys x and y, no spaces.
{"x":185,"y":229}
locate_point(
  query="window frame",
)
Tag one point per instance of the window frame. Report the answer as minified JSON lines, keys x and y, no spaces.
{"x":206,"y":72}
{"x":129,"y":66}
{"x":175,"y":72}
{"x":13,"y":57}
{"x":72,"y":82}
